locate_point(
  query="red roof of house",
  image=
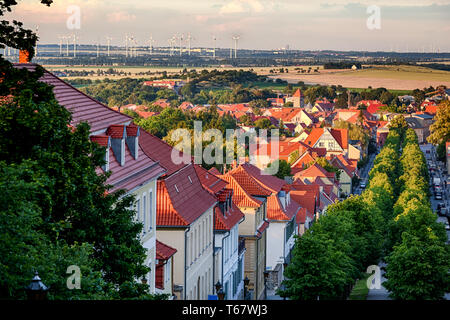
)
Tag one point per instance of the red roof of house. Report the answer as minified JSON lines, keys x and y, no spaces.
{"x":314,"y":170}
{"x":214,"y":171}
{"x":163,"y":251}
{"x":266,"y":180}
{"x":275,"y":210}
{"x":181,"y":198}
{"x":249,"y":182}
{"x":160,"y":151}
{"x":297,"y":94}
{"x":340,"y":135}
{"x":102,"y":140}
{"x":84,"y":108}
{"x":301,"y":216}
{"x":210,"y":182}
{"x":307,"y":199}
{"x":226,"y":221}
{"x":261,"y":229}
{"x":81,"y":106}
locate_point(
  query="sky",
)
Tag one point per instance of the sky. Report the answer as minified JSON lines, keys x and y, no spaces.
{"x":401,"y":25}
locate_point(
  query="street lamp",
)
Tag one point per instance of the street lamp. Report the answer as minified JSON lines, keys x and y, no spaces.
{"x":246,"y":282}
{"x":36,"y":290}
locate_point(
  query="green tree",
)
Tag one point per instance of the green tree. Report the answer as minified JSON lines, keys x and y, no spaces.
{"x":440,"y":129}
{"x":317,"y":269}
{"x":418,"y":268}
{"x":72,"y":200}
{"x":284,"y":169}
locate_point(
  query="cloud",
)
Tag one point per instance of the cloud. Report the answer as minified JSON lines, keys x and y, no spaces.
{"x":244,"y":6}
{"x":120,"y":16}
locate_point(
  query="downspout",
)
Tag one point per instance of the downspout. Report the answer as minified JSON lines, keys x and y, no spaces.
{"x":214,"y":249}
{"x":223,"y":261}
{"x":185,"y":261}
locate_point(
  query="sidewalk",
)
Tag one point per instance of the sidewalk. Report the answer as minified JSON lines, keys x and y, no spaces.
{"x":382,"y":293}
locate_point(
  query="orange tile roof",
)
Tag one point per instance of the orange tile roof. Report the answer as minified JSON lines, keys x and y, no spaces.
{"x":248,"y":182}
{"x":240,"y":196}
{"x":181,"y":198}
{"x":275,"y":210}
{"x":297,"y":94}
{"x":268,"y":181}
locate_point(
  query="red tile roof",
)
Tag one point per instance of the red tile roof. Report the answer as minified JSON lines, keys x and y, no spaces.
{"x":297,"y":94}
{"x":275,"y":210}
{"x":307,"y":199}
{"x":301,"y":216}
{"x":81,"y":106}
{"x":116,"y":131}
{"x":248,"y":182}
{"x":182,"y":199}
{"x":268,"y":181}
{"x":163,"y":251}
{"x":210,"y":182}
{"x":228,"y":220}
{"x":160,"y":151}
{"x":102,"y":140}
{"x":84,"y":108}
{"x":261,"y":229}
{"x":240,"y":196}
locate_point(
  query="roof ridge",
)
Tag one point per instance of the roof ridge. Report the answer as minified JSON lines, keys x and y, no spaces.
{"x":72,"y":87}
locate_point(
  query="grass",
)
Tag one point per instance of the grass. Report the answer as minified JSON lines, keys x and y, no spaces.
{"x":360,"y":290}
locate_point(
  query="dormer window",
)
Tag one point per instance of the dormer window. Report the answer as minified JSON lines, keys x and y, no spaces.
{"x":132,"y":139}
{"x":117,"y":133}
{"x":104,"y":141}
{"x":176,"y":188}
{"x":190,"y":180}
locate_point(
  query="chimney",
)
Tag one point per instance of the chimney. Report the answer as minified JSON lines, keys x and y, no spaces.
{"x":24,"y":56}
{"x":132,"y":139}
{"x":118,"y":135}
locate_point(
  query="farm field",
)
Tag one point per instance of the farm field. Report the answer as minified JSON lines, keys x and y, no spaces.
{"x":389,"y":77}
{"x":133,"y":71}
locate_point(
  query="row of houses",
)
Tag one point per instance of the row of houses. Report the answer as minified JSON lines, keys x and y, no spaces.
{"x":200,"y":227}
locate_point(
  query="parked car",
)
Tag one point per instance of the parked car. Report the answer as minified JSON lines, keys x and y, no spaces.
{"x":362,"y":185}
{"x":438,"y":195}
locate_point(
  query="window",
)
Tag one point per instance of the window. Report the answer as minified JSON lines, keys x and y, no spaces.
{"x":168,"y":270}
{"x":144,"y":211}
{"x":138,"y":210}
{"x":150,"y":210}
{"x":204,"y":234}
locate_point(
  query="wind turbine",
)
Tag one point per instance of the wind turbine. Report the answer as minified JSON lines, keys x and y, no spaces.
{"x":181,"y":43}
{"x":126,"y":45}
{"x":74,"y":37}
{"x":189,"y":38}
{"x":108,"y":39}
{"x":61,"y":38}
{"x":236,"y":39}
{"x":151,"y":41}
{"x":67,"y":44}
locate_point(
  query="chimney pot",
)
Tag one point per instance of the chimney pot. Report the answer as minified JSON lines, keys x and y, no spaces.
{"x":24,"y":56}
